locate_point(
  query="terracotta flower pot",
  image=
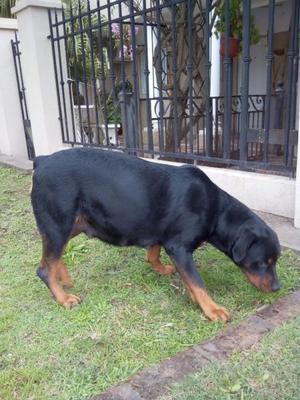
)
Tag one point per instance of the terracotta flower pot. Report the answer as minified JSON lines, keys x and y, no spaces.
{"x":233,"y":47}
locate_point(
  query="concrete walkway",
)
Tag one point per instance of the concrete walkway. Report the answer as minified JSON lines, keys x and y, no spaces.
{"x":288,"y":235}
{"x":19,"y":163}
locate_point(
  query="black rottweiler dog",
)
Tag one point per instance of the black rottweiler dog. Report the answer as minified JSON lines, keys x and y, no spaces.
{"x":127,"y":201}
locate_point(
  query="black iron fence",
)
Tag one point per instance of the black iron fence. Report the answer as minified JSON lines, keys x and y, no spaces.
{"x":139,"y":76}
{"x":22,"y":96}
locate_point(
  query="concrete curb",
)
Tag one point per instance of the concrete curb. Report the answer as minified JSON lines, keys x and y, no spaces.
{"x":288,"y":235}
{"x":154,"y":382}
{"x":24,"y":165}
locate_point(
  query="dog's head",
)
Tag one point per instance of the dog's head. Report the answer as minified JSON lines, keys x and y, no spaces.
{"x":256,"y":250}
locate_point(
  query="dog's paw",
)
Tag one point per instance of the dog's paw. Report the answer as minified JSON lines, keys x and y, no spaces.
{"x":70,"y":301}
{"x":166,"y":269}
{"x":218,"y":313}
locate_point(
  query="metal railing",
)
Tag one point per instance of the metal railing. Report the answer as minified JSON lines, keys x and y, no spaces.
{"x":138,"y":77}
{"x":22,"y":96}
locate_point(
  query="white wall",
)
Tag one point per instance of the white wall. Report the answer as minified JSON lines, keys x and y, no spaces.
{"x":282,"y":17}
{"x":12,"y":136}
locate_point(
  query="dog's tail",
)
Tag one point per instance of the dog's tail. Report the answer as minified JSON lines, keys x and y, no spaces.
{"x":37,"y":161}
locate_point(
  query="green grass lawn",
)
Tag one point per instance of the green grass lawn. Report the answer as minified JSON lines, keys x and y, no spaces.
{"x":269,"y":371}
{"x":130,"y":317}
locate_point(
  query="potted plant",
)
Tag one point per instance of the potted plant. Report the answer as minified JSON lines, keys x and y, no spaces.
{"x":235,"y":27}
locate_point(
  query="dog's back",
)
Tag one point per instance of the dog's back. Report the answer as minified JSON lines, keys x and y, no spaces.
{"x":125,"y":199}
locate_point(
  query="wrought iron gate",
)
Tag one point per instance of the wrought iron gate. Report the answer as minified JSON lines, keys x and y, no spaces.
{"x":22,"y":96}
{"x":138,"y":76}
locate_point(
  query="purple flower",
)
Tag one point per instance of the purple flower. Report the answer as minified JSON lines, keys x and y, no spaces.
{"x":115,"y":29}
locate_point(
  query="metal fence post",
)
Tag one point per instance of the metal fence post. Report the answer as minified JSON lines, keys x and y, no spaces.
{"x":22,"y":96}
{"x":278,"y":109}
{"x":269,"y":60}
{"x":128,"y":119}
{"x":245,"y":80}
{"x":228,"y":86}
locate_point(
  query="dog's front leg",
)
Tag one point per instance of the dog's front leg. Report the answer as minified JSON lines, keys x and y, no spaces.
{"x":153,"y":257}
{"x":185,"y":265}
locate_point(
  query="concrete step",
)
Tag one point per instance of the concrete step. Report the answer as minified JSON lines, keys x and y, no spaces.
{"x":19,"y":163}
{"x":288,"y":235}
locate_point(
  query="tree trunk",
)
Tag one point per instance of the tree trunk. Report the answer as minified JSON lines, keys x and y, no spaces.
{"x":179,"y":83}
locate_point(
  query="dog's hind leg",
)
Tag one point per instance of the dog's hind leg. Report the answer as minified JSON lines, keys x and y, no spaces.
{"x":53,"y":272}
{"x":153,"y":257}
{"x":62,"y":271}
{"x":64,"y":276}
{"x":185,"y":265}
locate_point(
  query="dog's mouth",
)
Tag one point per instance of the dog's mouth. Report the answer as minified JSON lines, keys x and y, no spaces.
{"x":264,"y":283}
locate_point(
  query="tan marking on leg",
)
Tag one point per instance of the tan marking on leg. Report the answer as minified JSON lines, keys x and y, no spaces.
{"x":61,"y":271}
{"x":63,"y":275}
{"x":212,"y":310}
{"x":190,"y":293}
{"x":153,"y":257}
{"x":57,"y":271}
{"x":67,"y":300}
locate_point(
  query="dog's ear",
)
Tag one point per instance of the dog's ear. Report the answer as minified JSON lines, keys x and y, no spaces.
{"x":242,"y":244}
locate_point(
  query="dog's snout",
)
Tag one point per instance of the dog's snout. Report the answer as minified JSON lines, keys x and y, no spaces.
{"x":275,"y":282}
